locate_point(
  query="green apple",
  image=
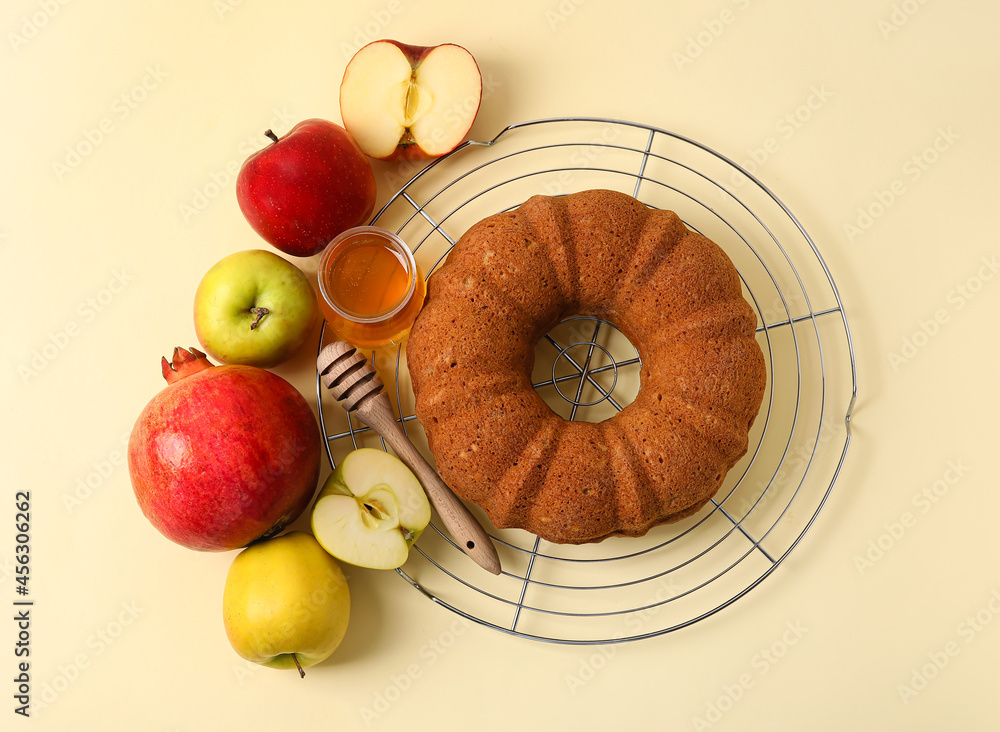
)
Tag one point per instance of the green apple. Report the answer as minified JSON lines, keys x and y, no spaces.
{"x":370,"y":510}
{"x":254,"y":308}
{"x":286,"y":603}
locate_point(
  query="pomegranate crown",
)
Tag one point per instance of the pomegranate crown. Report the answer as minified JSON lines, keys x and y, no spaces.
{"x":184,"y":363}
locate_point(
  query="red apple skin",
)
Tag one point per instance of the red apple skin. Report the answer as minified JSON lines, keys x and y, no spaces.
{"x":416,"y":54}
{"x":302,"y":191}
{"x":224,"y":456}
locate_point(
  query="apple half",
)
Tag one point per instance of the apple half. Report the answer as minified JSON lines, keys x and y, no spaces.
{"x":371,"y":510}
{"x":410,"y":102}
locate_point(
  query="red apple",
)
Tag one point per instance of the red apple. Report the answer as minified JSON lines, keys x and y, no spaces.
{"x":303,"y":189}
{"x":224,"y":455}
{"x":401,"y":101}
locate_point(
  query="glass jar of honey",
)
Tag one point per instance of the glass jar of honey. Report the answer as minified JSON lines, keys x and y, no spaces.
{"x":370,"y":288}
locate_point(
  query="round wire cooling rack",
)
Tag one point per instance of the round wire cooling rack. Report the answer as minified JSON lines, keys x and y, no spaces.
{"x":625,"y":589}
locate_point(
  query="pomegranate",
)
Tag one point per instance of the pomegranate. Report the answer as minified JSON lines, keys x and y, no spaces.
{"x":224,"y":455}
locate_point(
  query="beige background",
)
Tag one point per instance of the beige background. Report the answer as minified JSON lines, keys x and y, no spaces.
{"x":101,"y":258}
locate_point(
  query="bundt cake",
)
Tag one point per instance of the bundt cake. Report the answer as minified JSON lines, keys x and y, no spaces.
{"x":677,"y":297}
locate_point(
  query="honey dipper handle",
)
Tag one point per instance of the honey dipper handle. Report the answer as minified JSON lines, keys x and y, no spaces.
{"x":461,"y":524}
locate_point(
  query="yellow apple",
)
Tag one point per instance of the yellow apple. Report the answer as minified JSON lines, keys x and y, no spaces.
{"x":286,"y":603}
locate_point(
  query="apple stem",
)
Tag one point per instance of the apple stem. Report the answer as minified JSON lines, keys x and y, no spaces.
{"x":273,"y":137}
{"x":260,"y":313}
{"x":302,"y":673}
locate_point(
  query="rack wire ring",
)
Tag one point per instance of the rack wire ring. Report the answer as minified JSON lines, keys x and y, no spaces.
{"x":583,"y":372}
{"x":631,"y":589}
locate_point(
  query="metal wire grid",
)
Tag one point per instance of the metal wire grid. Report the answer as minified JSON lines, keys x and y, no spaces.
{"x":630,"y":589}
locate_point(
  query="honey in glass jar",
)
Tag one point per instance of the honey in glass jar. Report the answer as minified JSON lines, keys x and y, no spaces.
{"x":370,"y":287}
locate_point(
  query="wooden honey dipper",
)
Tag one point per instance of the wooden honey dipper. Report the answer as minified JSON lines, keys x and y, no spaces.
{"x":355,"y":384}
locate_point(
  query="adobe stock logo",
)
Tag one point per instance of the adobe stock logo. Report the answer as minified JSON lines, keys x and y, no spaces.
{"x":635,"y":621}
{"x":711,"y":30}
{"x":923,"y":501}
{"x":97,"y":644}
{"x":101,"y":470}
{"x":967,"y":630}
{"x":372,"y":29}
{"x":561,"y":14}
{"x":31,"y":25}
{"x":913,"y":170}
{"x":956,"y":299}
{"x":785,"y":128}
{"x":91,"y":138}
{"x":400,"y":683}
{"x":900,"y":16}
{"x":760,"y":664}
{"x":87,"y":311}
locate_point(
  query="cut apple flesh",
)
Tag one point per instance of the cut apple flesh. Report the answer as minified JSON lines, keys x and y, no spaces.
{"x":371,"y":510}
{"x":450,"y":77}
{"x":374,"y":97}
{"x":350,"y":531}
{"x":388,"y":100}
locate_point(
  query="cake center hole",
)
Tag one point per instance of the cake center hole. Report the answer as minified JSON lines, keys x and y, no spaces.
{"x":581,"y":356}
{"x":579,"y":369}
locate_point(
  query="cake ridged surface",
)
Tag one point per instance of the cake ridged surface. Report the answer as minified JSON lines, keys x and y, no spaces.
{"x":676,"y":296}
